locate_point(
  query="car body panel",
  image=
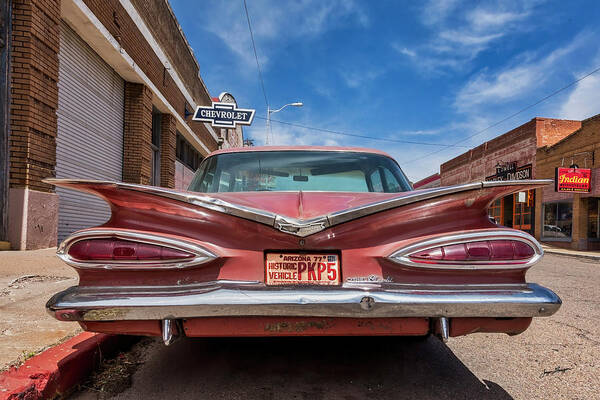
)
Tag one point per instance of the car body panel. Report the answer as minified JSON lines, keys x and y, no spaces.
{"x":238,"y":229}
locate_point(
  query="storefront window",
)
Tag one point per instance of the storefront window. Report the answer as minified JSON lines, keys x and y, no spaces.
{"x":558,"y":220}
{"x":495,"y":211}
{"x":186,"y":154}
{"x":593,"y":218}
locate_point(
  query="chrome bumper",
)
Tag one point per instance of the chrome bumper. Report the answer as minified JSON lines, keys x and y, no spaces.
{"x":254,"y":299}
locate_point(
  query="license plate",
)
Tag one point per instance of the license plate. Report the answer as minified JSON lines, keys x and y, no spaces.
{"x":302,"y":269}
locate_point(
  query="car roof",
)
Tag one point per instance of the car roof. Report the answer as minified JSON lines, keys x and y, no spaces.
{"x":298,"y":148}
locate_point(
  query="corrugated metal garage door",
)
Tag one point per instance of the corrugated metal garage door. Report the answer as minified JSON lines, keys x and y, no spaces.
{"x":90,"y":130}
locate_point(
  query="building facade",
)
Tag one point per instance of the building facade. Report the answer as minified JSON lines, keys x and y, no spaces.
{"x":571,"y":219}
{"x":95,"y":90}
{"x":511,"y":156}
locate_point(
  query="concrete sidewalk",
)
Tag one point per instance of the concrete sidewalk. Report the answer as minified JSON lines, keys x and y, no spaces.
{"x":27,"y":280}
{"x":590,"y":255}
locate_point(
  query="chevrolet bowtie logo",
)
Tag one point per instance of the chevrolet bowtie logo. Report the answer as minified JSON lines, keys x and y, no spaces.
{"x":224,"y":115}
{"x":300,"y":228}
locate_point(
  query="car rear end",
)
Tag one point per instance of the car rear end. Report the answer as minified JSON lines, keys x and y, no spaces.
{"x":294,"y":262}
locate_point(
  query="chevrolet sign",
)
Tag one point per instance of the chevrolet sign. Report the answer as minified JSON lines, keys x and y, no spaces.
{"x":224,"y":115}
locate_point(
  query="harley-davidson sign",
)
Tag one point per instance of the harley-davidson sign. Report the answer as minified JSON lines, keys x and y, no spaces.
{"x":224,"y":115}
{"x":510,"y":172}
{"x":572,"y":179}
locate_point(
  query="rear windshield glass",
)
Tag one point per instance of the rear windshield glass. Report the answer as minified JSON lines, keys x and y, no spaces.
{"x":299,"y":170}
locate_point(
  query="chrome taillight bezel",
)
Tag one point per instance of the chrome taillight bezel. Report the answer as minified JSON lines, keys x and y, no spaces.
{"x":402,"y":256}
{"x":201,"y":255}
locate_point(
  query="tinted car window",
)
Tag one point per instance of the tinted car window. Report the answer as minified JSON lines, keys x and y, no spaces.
{"x":299,"y":170}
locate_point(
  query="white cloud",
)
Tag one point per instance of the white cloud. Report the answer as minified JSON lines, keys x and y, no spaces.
{"x":467,"y":38}
{"x":358,"y":78}
{"x":499,"y":87}
{"x":482,"y":19}
{"x":583,"y":101}
{"x":514,"y":81}
{"x":457,"y":37}
{"x":404,"y":50}
{"x":274,"y":24}
{"x":436,"y":11}
{"x":421,"y":132}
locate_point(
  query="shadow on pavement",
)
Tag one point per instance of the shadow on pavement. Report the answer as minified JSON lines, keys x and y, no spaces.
{"x":307,"y":368}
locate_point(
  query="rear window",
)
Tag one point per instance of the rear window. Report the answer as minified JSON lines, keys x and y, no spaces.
{"x":329,"y":171}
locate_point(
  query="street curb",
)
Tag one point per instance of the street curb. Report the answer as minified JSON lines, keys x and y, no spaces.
{"x":58,"y":369}
{"x":565,"y":254}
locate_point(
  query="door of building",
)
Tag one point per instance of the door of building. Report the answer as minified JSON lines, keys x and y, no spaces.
{"x":89,"y":144}
{"x":523,"y":210}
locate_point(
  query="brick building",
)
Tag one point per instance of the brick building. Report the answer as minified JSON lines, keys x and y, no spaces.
{"x":570,"y":220}
{"x":431,"y":181}
{"x":507,"y":157}
{"x":98,"y":90}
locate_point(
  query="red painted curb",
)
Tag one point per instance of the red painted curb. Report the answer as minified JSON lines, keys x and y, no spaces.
{"x":57,"y":369}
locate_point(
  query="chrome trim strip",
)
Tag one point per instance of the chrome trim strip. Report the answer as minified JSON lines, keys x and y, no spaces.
{"x":340,"y":217}
{"x":96,"y":304}
{"x":198,"y":199}
{"x":201,"y":254}
{"x":402,"y":256}
{"x":294,"y":226}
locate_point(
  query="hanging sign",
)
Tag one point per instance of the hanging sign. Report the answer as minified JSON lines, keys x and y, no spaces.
{"x":572,"y":179}
{"x":224,"y":115}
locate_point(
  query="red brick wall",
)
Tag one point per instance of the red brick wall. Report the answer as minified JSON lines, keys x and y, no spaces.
{"x":171,"y":40}
{"x":550,"y":131}
{"x":517,"y":145}
{"x":117,"y":21}
{"x":581,"y":147}
{"x":168,"y":142}
{"x":584,"y":142}
{"x":137,"y":138}
{"x":34,"y":92}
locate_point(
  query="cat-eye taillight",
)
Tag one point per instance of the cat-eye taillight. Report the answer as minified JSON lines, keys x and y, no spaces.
{"x":474,"y":250}
{"x":114,"y":249}
{"x":130,"y":250}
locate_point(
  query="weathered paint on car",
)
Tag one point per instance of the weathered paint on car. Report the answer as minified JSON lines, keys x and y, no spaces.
{"x":365,"y":242}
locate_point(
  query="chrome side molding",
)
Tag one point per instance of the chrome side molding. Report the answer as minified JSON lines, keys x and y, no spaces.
{"x":289,"y":225}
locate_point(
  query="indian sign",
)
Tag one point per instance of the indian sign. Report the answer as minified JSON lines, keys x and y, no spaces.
{"x":572,"y":179}
{"x":224,"y":115}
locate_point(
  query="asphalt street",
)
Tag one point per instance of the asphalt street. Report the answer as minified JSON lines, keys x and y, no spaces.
{"x":557,"y":358}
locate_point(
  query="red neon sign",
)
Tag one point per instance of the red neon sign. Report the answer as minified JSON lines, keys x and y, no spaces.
{"x":573,"y":179}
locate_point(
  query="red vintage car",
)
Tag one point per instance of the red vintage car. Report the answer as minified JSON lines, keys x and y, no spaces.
{"x":284,"y":241}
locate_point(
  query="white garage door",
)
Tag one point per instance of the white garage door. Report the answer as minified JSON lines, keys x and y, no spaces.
{"x":90,"y":130}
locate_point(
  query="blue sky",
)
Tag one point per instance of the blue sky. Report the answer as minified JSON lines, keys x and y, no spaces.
{"x":430,"y":71}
